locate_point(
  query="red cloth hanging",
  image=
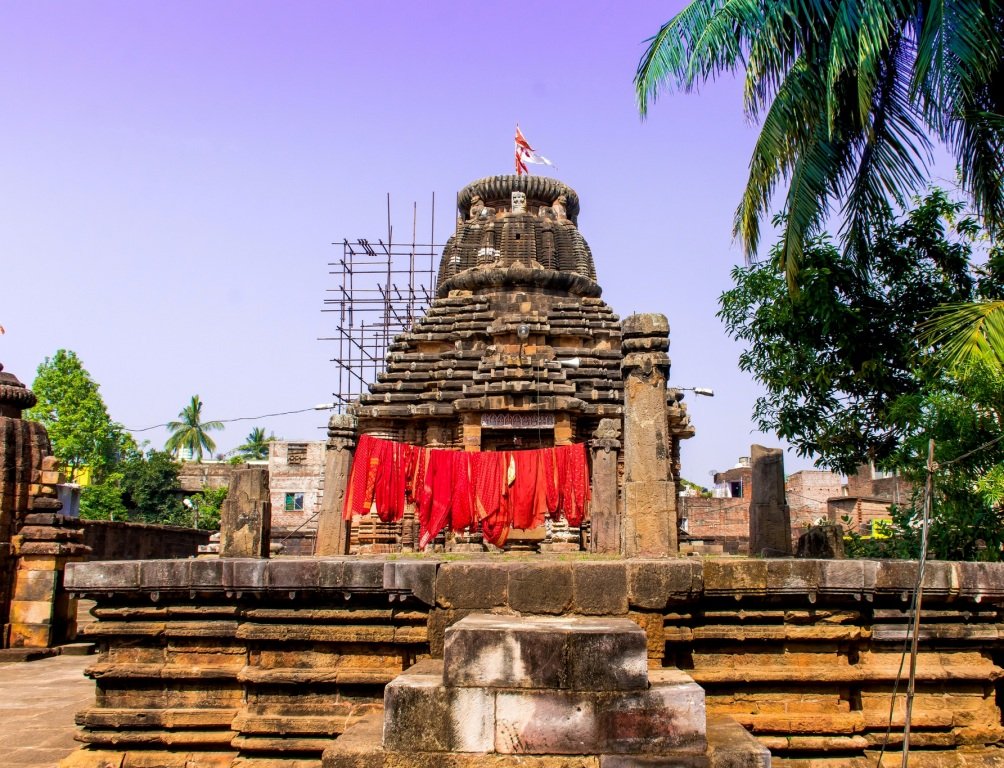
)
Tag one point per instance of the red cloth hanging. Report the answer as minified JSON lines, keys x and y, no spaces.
{"x":357,"y":497}
{"x":528,"y":492}
{"x":462,"y":509}
{"x":439,"y":484}
{"x":573,"y":482}
{"x":488,"y":473}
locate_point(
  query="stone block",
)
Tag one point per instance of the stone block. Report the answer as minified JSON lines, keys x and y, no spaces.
{"x":668,"y":717}
{"x":244,"y":573}
{"x":472,"y":585}
{"x":31,"y":611}
{"x":206,"y":573}
{"x":92,"y":758}
{"x":575,"y":653}
{"x":793,"y":577}
{"x":540,"y":588}
{"x":330,"y":573}
{"x":653,"y":584}
{"x":599,"y":588}
{"x":981,"y":581}
{"x":421,"y":714}
{"x":164,"y":574}
{"x":359,"y":746}
{"x":35,"y":586}
{"x":30,"y":635}
{"x":363,"y":575}
{"x":739,"y":577}
{"x":101,"y":577}
{"x":293,"y":574}
{"x":418,"y":578}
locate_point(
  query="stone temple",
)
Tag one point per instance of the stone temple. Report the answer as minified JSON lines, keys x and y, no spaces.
{"x":518,"y":350}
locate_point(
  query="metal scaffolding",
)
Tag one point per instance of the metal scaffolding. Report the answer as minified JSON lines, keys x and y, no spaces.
{"x":382,"y":289}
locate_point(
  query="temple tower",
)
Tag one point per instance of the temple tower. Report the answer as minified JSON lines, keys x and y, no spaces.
{"x":516,"y":351}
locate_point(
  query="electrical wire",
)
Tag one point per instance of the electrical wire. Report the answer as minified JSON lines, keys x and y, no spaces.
{"x":229,"y":421}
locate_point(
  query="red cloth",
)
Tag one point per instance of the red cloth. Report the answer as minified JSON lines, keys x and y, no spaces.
{"x":439,"y":486}
{"x":529,"y":492}
{"x":462,"y":509}
{"x":357,"y":499}
{"x":462,"y":490}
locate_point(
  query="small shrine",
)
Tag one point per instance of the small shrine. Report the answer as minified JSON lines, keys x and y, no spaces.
{"x":518,"y":352}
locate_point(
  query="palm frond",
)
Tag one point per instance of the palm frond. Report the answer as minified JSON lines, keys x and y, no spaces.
{"x":964,"y":333}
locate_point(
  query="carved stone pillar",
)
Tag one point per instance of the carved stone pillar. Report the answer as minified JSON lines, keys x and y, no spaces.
{"x":332,"y":530}
{"x":649,"y":492}
{"x":606,"y":527}
{"x":246,"y":515}
{"x":770,"y":518}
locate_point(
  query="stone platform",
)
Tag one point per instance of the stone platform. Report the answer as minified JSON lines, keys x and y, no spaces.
{"x":512,"y":690}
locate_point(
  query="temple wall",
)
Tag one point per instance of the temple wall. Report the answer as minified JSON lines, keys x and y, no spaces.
{"x":115,"y":540}
{"x":261,"y":663}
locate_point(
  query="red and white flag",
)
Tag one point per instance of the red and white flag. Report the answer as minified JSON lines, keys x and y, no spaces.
{"x":526,"y":154}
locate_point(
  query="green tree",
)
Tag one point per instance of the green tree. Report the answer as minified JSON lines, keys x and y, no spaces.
{"x":255,"y":445}
{"x":103,"y":501}
{"x":847,"y":92}
{"x":209,"y":502}
{"x":839,"y":357}
{"x":191,"y":432}
{"x":150,"y":491}
{"x":73,"y":412}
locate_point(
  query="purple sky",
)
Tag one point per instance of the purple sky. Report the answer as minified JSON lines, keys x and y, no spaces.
{"x":173,"y":176}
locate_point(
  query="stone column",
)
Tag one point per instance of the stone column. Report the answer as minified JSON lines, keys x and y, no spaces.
{"x":606,"y":528}
{"x":770,"y":518}
{"x":246,"y":515}
{"x":649,"y":526}
{"x":472,"y":431}
{"x":332,"y":530}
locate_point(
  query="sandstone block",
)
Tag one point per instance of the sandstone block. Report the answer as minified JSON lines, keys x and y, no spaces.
{"x":162,"y":574}
{"x":599,"y":588}
{"x":365,"y":575}
{"x":741,"y":577}
{"x":330,"y":573}
{"x":472,"y":585}
{"x":668,"y":717}
{"x":35,"y":586}
{"x":206,"y":573}
{"x":421,"y":714}
{"x":418,"y":578}
{"x":653,"y":584}
{"x":564,"y":653}
{"x":540,"y":588}
{"x":244,"y":573}
{"x":98,"y":577}
{"x":292,"y":574}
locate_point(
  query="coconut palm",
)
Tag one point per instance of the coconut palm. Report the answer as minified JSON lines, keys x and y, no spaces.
{"x":848,"y":92}
{"x":191,"y":432}
{"x":255,"y":445}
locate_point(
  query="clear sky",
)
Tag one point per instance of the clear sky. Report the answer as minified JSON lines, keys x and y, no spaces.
{"x":173,"y":176}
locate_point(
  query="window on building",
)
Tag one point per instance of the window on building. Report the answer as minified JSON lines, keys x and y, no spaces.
{"x":294,"y":502}
{"x":881,"y":474}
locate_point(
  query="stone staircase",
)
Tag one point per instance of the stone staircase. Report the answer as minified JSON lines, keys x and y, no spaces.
{"x":566,"y":692}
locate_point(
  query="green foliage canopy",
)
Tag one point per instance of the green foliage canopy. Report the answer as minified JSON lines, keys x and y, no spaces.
{"x":837,"y":356}
{"x":847,"y":92}
{"x":71,"y":409}
{"x":255,"y":447}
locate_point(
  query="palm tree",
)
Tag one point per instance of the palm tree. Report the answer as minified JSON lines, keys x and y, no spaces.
{"x":848,"y":92}
{"x":255,"y":445}
{"x":191,"y":432}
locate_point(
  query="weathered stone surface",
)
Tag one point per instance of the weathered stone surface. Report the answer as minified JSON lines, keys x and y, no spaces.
{"x":668,"y":717}
{"x":563,"y":653}
{"x":823,"y":541}
{"x":540,"y":588}
{"x":599,"y":589}
{"x":770,"y":518}
{"x":656,"y":583}
{"x":332,"y":529}
{"x":472,"y":585}
{"x":416,"y":578}
{"x":246,"y":515}
{"x":421,"y":714}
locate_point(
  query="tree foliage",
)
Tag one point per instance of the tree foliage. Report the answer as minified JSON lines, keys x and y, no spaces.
{"x":209,"y":502}
{"x":839,"y":358}
{"x":191,"y":433}
{"x":150,"y":489}
{"x":847,"y":92}
{"x":255,"y":447}
{"x":71,"y":409}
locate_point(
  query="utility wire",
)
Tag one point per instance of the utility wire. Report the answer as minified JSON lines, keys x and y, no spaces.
{"x":238,"y":418}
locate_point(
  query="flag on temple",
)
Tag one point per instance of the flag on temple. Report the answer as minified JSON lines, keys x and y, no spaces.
{"x":526,"y":154}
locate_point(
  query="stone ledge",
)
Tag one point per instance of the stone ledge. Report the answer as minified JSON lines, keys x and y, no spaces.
{"x":549,"y":586}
